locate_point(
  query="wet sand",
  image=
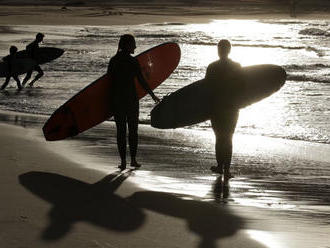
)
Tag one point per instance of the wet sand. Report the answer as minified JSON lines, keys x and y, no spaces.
{"x":57,"y":194}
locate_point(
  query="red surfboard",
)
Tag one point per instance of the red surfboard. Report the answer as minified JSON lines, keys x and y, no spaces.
{"x":91,"y":105}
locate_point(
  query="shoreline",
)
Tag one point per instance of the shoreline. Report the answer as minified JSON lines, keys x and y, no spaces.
{"x":185,"y":156}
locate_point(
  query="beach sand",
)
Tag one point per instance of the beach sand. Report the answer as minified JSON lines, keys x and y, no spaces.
{"x":48,"y":200}
{"x":55,"y":195}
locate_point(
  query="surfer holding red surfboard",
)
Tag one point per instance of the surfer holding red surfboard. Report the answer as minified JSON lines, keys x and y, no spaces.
{"x":124,"y":68}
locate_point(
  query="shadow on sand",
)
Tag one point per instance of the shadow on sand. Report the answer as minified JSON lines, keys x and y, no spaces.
{"x":208,"y":220}
{"x":74,"y":200}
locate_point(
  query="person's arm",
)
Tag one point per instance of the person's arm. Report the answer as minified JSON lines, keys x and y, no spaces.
{"x":6,"y":58}
{"x":207,"y":74}
{"x":144,"y":83}
{"x":210,"y":74}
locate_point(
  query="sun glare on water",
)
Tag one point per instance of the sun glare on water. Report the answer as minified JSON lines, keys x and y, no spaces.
{"x":245,"y":36}
{"x":253,"y":43}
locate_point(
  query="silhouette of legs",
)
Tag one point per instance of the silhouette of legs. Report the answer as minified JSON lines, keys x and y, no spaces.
{"x":29,"y":74}
{"x":133,"y":121}
{"x":120,"y":120}
{"x":39,"y":75}
{"x":27,"y":77}
{"x":15,"y":77}
{"x":19,"y":86}
{"x":223,"y":125}
{"x":5,"y":83}
{"x":127,"y":117}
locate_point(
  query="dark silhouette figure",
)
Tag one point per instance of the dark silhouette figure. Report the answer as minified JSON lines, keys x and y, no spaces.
{"x":10,"y":59}
{"x":74,"y":201}
{"x":124,"y":69}
{"x":223,"y":76}
{"x":32,"y":53}
{"x":293,"y":5}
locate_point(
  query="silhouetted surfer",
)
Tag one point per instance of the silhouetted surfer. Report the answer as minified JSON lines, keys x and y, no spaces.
{"x":10,"y":59}
{"x":223,"y":76}
{"x":32,"y":53}
{"x":123,"y":68}
{"x":293,"y":4}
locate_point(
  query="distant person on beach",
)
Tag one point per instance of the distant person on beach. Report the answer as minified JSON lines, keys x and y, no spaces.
{"x":123,"y":68}
{"x":32,"y":51}
{"x":10,"y":59}
{"x":223,"y":76}
{"x":293,"y":4}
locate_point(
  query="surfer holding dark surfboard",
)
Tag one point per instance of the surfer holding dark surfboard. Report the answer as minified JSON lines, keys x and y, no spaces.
{"x":223,"y":76}
{"x":10,"y":59}
{"x":124,"y":68}
{"x":32,"y":50}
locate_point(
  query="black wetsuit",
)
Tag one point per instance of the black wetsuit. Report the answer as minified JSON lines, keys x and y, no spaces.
{"x":10,"y":59}
{"x":123,"y":69}
{"x":32,"y":51}
{"x":224,"y":76}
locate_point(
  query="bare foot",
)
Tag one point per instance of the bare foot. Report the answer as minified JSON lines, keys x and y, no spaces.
{"x":122,"y":166}
{"x":135,"y":164}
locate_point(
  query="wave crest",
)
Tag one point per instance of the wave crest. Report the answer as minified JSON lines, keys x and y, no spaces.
{"x":314,"y":31}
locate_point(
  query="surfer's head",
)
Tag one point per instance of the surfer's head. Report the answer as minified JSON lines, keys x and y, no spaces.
{"x":40,"y":37}
{"x":127,"y":43}
{"x":13,"y":49}
{"x":224,"y":48}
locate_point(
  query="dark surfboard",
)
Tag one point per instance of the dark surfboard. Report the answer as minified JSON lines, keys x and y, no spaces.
{"x":194,"y":103}
{"x":20,"y":66}
{"x":43,"y":54}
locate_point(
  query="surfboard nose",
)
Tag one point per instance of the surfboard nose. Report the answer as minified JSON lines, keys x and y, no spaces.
{"x":56,"y":129}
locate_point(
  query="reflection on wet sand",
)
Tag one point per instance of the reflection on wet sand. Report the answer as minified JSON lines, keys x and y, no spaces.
{"x":73,"y":201}
{"x":221,"y":189}
{"x":172,"y":167}
{"x":23,"y":120}
{"x":98,"y":204}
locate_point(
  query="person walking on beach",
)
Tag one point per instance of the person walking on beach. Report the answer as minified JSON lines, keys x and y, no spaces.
{"x":10,"y":59}
{"x":32,"y":53}
{"x":123,"y":69}
{"x":293,"y":4}
{"x":223,"y":76}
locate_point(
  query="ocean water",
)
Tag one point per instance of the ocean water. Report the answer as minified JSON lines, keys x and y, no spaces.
{"x":299,"y":111}
{"x":298,"y":114}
